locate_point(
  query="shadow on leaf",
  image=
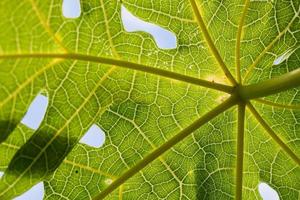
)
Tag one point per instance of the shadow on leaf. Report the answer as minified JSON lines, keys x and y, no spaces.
{"x":41,"y":155}
{"x":6,"y":127}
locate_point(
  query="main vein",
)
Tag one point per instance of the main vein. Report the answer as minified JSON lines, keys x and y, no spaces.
{"x":272,"y":86}
{"x":278,"y":105}
{"x":166,"y":146}
{"x":270,"y":131}
{"x":238,"y":41}
{"x":240,"y":151}
{"x":210,"y":43}
{"x":128,"y":65}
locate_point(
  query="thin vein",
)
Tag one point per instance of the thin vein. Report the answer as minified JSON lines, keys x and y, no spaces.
{"x":210,"y":43}
{"x":181,"y":19}
{"x":259,"y":57}
{"x":69,"y":162}
{"x":46,"y":26}
{"x":121,"y":192}
{"x":166,"y":146}
{"x":115,"y":53}
{"x":274,"y":136}
{"x":88,"y":168}
{"x":29,"y":81}
{"x":42,"y":151}
{"x":278,"y":105}
{"x":12,"y":146}
{"x":128,"y":65}
{"x":238,"y":41}
{"x":160,"y":158}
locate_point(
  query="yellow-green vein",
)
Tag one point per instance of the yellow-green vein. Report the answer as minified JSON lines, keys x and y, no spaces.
{"x":28,"y":81}
{"x":211,"y":44}
{"x":69,"y":162}
{"x":160,"y":158}
{"x":46,"y":26}
{"x":278,"y":105}
{"x":115,"y":53}
{"x":275,"y":85}
{"x":166,"y":146}
{"x":238,"y":42}
{"x":121,"y":192}
{"x":270,"y":131}
{"x":240,"y":151}
{"x":256,"y":61}
{"x":128,"y":65}
{"x":59,"y":131}
{"x":88,"y":168}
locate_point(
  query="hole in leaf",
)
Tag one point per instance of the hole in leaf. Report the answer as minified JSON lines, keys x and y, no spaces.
{"x":36,"y":112}
{"x":94,"y":137}
{"x":1,"y":174}
{"x":36,"y":193}
{"x":266,"y":192}
{"x":164,"y":39}
{"x":280,"y":59}
{"x":71,"y":8}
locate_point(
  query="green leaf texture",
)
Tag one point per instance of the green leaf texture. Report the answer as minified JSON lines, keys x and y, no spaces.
{"x":94,"y":72}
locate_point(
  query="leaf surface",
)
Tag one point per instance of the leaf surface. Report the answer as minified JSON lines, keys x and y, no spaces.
{"x":141,"y":96}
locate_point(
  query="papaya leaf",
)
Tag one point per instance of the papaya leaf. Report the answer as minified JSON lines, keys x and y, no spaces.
{"x":211,"y":116}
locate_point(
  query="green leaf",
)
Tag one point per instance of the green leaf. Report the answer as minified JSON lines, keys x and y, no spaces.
{"x":210,"y":119}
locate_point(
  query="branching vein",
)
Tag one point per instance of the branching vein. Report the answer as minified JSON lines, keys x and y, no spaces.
{"x":261,"y":55}
{"x":278,"y":105}
{"x":210,"y":42}
{"x":238,"y":41}
{"x":46,"y":26}
{"x":128,"y":65}
{"x":240,"y":151}
{"x":270,"y":131}
{"x":166,"y":146}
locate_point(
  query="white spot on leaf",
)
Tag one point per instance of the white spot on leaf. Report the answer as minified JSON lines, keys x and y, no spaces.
{"x":216,"y":78}
{"x":34,"y":193}
{"x":36,"y":112}
{"x":108,"y":181}
{"x":1,"y":174}
{"x":94,"y":137}
{"x":283,"y":57}
{"x":164,"y":39}
{"x":71,"y":8}
{"x":222,"y":98}
{"x":266,"y":192}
